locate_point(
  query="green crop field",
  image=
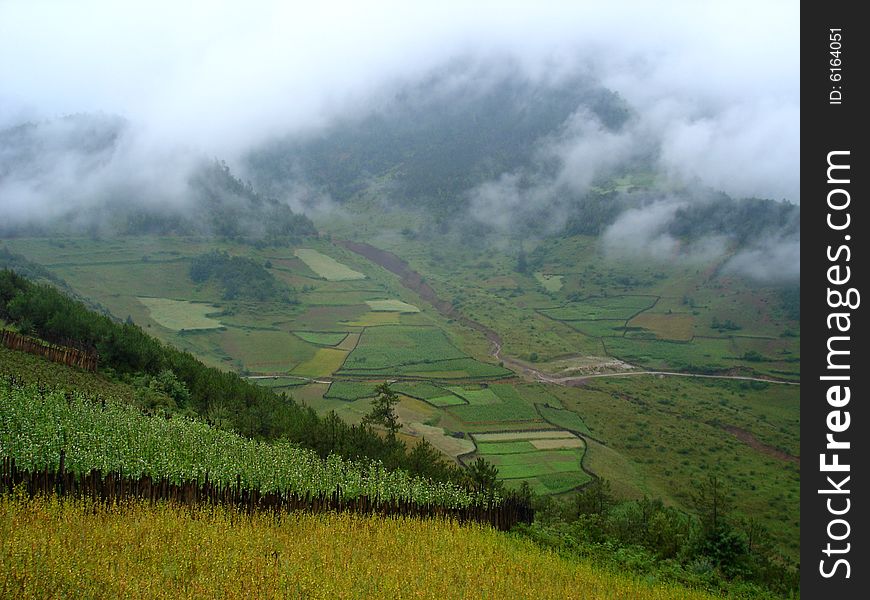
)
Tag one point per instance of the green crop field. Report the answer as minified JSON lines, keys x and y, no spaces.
{"x":180,"y":314}
{"x":116,"y":437}
{"x":326,"y":266}
{"x":476,"y":396}
{"x":458,"y":368}
{"x":518,"y":447}
{"x":423,"y":390}
{"x":392,"y":306}
{"x":449,"y":400}
{"x":321,"y":338}
{"x":616,"y":307}
{"x":511,"y":408}
{"x":564,"y":418}
{"x":350,"y":390}
{"x":385,"y":347}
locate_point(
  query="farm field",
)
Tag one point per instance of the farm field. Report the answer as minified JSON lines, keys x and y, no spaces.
{"x":392,"y":306}
{"x":550,"y":462}
{"x":214,"y":553}
{"x":326,"y":266}
{"x":179,"y":314}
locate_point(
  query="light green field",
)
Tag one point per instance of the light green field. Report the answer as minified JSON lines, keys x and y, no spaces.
{"x":551,"y":283}
{"x":392,"y":306}
{"x":451,"y":400}
{"x":481,"y":397}
{"x":326,"y":266}
{"x":180,"y":314}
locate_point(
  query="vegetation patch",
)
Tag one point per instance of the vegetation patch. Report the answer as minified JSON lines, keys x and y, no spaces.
{"x":600,"y":328}
{"x":280,"y":382}
{"x":511,"y":408}
{"x":458,"y":368}
{"x":239,"y":277}
{"x":326,"y":361}
{"x":180,"y":315}
{"x":384,"y":347}
{"x":374,"y":319}
{"x":564,"y":418}
{"x":267,"y":352}
{"x":609,"y":307}
{"x":557,"y":444}
{"x":449,"y":400}
{"x":553,"y":483}
{"x":392,"y":306}
{"x":213,"y":554}
{"x":482,"y":396}
{"x":534,"y":464}
{"x":350,"y":390}
{"x":423,"y":390}
{"x":551,"y":283}
{"x":505,"y":436}
{"x":517,"y":447}
{"x":326,"y":266}
{"x":678,"y":327}
{"x":321,"y":338}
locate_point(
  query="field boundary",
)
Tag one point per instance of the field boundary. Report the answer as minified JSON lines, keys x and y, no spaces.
{"x":72,"y":357}
{"x":115,"y":488}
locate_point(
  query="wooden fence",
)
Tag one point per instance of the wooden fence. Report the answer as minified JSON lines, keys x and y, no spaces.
{"x":115,"y":487}
{"x":66,"y":355}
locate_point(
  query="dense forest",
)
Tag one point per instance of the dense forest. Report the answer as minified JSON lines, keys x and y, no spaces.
{"x":238,"y":277}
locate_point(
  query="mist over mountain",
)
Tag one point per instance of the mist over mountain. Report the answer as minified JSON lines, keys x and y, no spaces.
{"x":496,"y":121}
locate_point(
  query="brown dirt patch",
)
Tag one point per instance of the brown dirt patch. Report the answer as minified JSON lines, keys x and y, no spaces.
{"x":752,"y":441}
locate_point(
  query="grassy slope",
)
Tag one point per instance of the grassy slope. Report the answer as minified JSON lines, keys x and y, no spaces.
{"x":161,"y":551}
{"x":663,"y":436}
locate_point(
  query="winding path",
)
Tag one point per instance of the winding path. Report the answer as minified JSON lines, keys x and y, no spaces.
{"x":416,"y":283}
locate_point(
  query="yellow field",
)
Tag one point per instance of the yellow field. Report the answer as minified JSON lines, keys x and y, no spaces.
{"x":326,"y":266}
{"x":678,"y":327}
{"x":326,"y":361}
{"x":76,"y":550}
{"x":180,"y":314}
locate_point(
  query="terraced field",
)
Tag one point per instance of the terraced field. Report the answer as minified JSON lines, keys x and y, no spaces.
{"x":549,"y":462}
